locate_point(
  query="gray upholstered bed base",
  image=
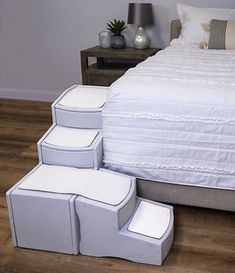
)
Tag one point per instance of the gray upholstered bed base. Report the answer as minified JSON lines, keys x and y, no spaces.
{"x":186,"y":195}
{"x":175,"y":29}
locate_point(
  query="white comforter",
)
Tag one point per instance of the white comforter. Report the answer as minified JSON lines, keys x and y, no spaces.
{"x":172,"y":118}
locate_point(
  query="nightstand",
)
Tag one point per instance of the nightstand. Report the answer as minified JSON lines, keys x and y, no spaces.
{"x":110,"y":63}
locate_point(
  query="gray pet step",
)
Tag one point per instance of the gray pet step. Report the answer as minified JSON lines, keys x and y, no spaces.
{"x":95,"y":212}
{"x":43,"y":220}
{"x":146,"y":237}
{"x":80,"y":107}
{"x":81,"y":148}
{"x":42,"y":205}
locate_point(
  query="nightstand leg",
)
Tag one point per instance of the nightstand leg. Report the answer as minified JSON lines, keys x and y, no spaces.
{"x":84,"y":67}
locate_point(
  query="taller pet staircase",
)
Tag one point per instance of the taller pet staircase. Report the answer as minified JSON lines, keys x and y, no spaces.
{"x":68,"y":204}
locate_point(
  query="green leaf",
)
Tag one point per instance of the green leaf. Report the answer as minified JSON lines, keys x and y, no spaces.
{"x":116,"y":26}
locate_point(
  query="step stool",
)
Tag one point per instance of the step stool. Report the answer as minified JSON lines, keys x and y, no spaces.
{"x":80,"y":107}
{"x":81,"y":148}
{"x":42,"y":205}
{"x":137,"y":229}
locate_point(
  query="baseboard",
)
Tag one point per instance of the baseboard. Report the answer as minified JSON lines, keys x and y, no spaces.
{"x":38,"y":95}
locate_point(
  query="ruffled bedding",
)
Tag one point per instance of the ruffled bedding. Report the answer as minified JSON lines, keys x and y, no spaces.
{"x":172,"y":118}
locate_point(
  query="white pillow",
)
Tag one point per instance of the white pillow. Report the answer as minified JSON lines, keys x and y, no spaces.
{"x":192,"y":18}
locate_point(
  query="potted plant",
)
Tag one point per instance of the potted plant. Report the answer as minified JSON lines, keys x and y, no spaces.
{"x":117,"y":27}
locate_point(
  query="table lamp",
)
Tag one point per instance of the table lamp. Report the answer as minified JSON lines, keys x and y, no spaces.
{"x":140,"y":14}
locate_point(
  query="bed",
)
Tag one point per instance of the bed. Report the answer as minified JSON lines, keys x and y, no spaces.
{"x":182,"y":150}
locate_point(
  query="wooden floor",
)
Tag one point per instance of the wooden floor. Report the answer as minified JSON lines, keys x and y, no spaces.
{"x":204,"y":239}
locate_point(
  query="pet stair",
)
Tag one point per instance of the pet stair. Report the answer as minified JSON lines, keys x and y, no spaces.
{"x":109,"y":217}
{"x":81,"y":148}
{"x":57,"y":207}
{"x":42,"y":205}
{"x":139,"y":230}
{"x":80,"y":107}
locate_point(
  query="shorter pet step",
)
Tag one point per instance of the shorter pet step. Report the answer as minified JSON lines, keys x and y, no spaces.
{"x":146,"y":237}
{"x":80,"y":107}
{"x":42,"y":204}
{"x":73,"y":147}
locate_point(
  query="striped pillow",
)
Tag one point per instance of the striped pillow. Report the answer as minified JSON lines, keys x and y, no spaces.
{"x":222,"y":34}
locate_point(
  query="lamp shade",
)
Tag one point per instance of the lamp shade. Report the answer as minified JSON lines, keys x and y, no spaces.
{"x":140,"y":14}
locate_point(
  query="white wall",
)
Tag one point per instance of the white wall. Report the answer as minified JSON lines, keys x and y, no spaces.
{"x":40,"y":40}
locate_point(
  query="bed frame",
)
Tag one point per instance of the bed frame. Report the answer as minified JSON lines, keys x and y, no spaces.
{"x":175,"y":29}
{"x":181,"y":194}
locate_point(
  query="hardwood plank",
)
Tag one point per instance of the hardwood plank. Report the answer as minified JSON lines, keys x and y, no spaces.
{"x":22,"y":123}
{"x":204,"y":239}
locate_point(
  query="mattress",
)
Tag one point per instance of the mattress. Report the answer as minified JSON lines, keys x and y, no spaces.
{"x":172,"y":118}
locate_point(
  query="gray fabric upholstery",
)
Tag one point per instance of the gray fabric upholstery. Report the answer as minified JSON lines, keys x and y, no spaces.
{"x":222,"y":34}
{"x":187,"y":195}
{"x":175,"y":29}
{"x":217,"y":34}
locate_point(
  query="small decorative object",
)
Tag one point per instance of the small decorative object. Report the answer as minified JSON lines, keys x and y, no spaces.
{"x":105,"y":39}
{"x":117,"y":39}
{"x":140,"y":14}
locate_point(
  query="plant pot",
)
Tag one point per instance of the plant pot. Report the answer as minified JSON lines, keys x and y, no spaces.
{"x":118,"y":41}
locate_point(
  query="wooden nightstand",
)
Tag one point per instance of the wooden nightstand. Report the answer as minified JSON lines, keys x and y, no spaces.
{"x":110,"y":64}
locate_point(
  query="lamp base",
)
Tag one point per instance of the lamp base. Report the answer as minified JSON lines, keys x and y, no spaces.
{"x":141,"y":39}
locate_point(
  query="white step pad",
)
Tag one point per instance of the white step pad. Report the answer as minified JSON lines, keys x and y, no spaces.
{"x":80,"y":106}
{"x":70,"y":137}
{"x":150,"y":220}
{"x":72,"y":147}
{"x":84,"y":97}
{"x":102,"y":186}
